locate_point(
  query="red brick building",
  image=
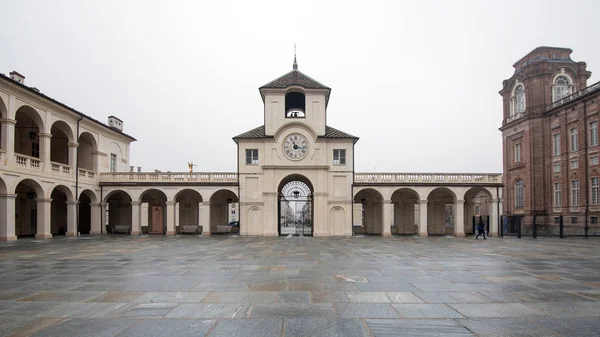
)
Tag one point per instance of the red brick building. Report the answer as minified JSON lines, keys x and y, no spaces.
{"x":550,"y":143}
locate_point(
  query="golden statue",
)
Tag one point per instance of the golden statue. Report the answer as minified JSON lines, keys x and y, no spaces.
{"x":191,"y":166}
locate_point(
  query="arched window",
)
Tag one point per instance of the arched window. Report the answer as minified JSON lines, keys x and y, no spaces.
{"x":518,"y":100}
{"x":519,"y":194}
{"x":562,"y":88}
{"x":295,"y":104}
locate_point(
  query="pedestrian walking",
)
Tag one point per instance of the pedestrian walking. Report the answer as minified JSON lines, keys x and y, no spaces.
{"x":480,"y":230}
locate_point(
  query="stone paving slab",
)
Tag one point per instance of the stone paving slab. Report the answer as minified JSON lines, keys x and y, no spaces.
{"x":254,"y":286}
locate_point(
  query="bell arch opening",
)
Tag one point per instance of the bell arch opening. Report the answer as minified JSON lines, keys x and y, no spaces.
{"x":295,"y":206}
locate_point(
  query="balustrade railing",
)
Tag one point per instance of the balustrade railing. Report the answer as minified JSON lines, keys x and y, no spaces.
{"x":59,"y":168}
{"x":83,"y":173}
{"x":173,"y":177}
{"x":363,"y":178}
{"x":27,"y":162}
{"x":2,"y":156}
{"x":584,"y":91}
{"x":428,"y":178}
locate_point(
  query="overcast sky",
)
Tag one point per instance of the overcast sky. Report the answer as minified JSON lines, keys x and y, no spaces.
{"x":417,"y":81}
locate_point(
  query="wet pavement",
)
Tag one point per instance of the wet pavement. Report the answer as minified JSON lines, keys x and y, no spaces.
{"x":254,"y":286}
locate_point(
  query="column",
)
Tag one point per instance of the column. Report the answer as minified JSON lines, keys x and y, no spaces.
{"x":72,"y":218}
{"x":387,"y":218}
{"x":170,"y":217}
{"x":136,"y":226}
{"x":494,"y":218}
{"x":8,"y":138}
{"x":423,"y":218}
{"x":205,"y":221}
{"x":43,"y":218}
{"x":96,"y":220}
{"x":459,"y":219}
{"x":45,"y":146}
{"x":73,"y":156}
{"x":7,"y":217}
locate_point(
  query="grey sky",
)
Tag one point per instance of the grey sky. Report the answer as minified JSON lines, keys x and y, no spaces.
{"x":417,"y":81}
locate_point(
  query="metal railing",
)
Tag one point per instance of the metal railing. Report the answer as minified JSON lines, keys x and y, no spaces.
{"x":589,"y":89}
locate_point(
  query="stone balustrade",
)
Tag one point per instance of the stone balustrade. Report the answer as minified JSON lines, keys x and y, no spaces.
{"x":28,"y":162}
{"x":83,"y":173}
{"x":169,"y":177}
{"x":2,"y":156}
{"x":58,"y":168}
{"x":359,"y":178}
{"x":428,"y":178}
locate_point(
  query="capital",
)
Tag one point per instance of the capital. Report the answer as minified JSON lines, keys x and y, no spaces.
{"x":75,"y":145}
{"x":72,"y":202}
{"x":136,"y":203}
{"x":43,"y":199}
{"x":171,"y":203}
{"x":44,"y":135}
{"x":8,"y":196}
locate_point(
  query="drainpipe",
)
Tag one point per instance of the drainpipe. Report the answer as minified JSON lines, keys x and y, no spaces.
{"x":352,"y":191}
{"x":585,"y":161}
{"x":239,"y":215}
{"x":77,"y":178}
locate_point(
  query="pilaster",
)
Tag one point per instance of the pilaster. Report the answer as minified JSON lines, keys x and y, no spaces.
{"x":205,"y":221}
{"x":96,"y":221}
{"x":72,"y":218}
{"x":423,"y":218}
{"x":170,"y":217}
{"x":7,"y":217}
{"x":459,"y":219}
{"x":387,"y":218}
{"x":45,"y":145}
{"x":136,"y":225}
{"x":43,"y":218}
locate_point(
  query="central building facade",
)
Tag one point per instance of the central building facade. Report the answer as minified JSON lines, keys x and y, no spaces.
{"x":295,"y":171}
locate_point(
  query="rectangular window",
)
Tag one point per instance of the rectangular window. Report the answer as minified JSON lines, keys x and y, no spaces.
{"x":556,"y":144}
{"x":594,"y":160}
{"x":113,"y":162}
{"x":575,"y":193}
{"x":573,"y":220}
{"x":557,"y":220}
{"x":476,"y":209}
{"x":556,"y":168}
{"x":594,"y":220}
{"x":517,"y":153}
{"x":574,"y":164}
{"x":251,"y":156}
{"x":574,"y":141}
{"x":557,"y":195}
{"x":594,"y":133}
{"x":339,"y":157}
{"x":595,"y":191}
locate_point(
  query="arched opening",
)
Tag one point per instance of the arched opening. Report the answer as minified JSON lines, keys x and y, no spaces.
{"x":295,"y":105}
{"x":295,"y":211}
{"x":441,"y":211}
{"x":26,"y":209}
{"x":478,"y":206}
{"x":154,"y":209}
{"x":27,"y":140}
{"x":405,"y":208}
{"x":85,"y":211}
{"x":118,"y":212}
{"x":562,"y":87}
{"x":224,"y":213}
{"x":59,"y":143}
{"x":368,"y":212}
{"x":58,"y":210}
{"x":188,"y":212}
{"x":85,"y":152}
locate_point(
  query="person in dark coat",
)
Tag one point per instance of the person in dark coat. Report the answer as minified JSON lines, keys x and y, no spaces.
{"x":480,"y":230}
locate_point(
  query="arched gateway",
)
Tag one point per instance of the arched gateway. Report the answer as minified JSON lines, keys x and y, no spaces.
{"x":295,"y":207}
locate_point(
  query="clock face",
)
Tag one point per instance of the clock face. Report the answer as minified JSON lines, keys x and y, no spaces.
{"x":295,"y":146}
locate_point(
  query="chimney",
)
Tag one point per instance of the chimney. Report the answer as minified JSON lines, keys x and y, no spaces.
{"x":115,"y":123}
{"x":15,"y":76}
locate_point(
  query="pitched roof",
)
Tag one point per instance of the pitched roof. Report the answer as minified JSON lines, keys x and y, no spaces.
{"x":330,"y":132}
{"x":294,"y":77}
{"x":35,"y":92}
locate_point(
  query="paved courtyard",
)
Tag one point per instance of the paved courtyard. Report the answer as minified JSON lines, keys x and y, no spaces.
{"x":251,"y":286}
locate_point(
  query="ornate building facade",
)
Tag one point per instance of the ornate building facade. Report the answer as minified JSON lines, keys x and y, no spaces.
{"x":550,"y":143}
{"x":65,"y":173}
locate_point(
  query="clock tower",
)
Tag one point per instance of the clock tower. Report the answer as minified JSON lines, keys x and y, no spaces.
{"x":295,"y":172}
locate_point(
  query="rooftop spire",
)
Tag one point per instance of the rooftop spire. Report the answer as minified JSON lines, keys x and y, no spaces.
{"x":295,"y":63}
